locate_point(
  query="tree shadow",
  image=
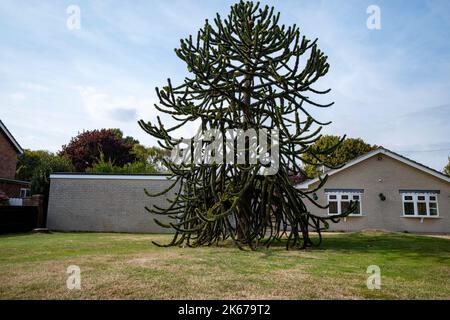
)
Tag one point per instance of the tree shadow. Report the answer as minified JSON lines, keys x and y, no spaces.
{"x":388,"y":242}
{"x":15,"y":235}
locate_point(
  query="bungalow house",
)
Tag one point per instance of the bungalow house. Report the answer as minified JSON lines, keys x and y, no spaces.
{"x":392,"y":192}
{"x":9,"y":151}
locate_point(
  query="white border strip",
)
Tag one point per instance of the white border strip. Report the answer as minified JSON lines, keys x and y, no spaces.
{"x":108,"y":177}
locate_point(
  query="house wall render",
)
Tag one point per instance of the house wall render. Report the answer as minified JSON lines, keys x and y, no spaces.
{"x":385,"y":175}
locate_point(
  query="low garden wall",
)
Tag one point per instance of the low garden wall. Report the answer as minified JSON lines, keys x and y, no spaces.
{"x":106,"y":203}
{"x":23,"y":217}
{"x":18,"y":218}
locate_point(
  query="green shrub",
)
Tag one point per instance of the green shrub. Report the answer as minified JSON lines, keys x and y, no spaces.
{"x":40,"y":182}
{"x":108,"y":166}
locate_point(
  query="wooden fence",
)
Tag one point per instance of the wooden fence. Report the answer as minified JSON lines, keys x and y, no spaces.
{"x":18,"y":218}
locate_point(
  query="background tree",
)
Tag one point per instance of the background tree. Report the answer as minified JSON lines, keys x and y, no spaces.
{"x":447,"y":168}
{"x":127,"y":140}
{"x":85,"y":149}
{"x":107,"y":166}
{"x":40,"y":181}
{"x":36,"y":166}
{"x":246,"y":72}
{"x":29,"y":161}
{"x":349,"y":149}
{"x":153,"y":156}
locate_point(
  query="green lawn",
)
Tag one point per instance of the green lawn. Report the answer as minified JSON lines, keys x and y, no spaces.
{"x":126,"y":266}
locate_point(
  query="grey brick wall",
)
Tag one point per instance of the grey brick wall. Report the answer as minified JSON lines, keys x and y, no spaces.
{"x":107,"y":205}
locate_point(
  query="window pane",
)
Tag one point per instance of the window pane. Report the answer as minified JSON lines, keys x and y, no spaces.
{"x":25,"y":193}
{"x":344,"y":196}
{"x":358,"y":208}
{"x":333,"y":208}
{"x":422,"y":208}
{"x":355,"y":197}
{"x":432,"y":198}
{"x":422,"y":198}
{"x":408,"y":198}
{"x":345,"y":206}
{"x":332,"y":196}
{"x":433,"y":209}
{"x":409,"y":208}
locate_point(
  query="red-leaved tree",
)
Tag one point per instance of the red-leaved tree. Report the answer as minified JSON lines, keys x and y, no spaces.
{"x":85,"y":149}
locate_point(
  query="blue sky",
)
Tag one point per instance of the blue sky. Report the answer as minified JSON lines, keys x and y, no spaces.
{"x":391,"y":87}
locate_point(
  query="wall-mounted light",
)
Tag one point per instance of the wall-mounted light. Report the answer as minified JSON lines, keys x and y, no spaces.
{"x":382,"y":197}
{"x":315,"y":197}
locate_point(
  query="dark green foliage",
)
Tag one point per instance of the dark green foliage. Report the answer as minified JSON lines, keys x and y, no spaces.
{"x":29,"y":161}
{"x":36,"y":166}
{"x":107,"y":166}
{"x":347,"y":150}
{"x":127,"y":140}
{"x":40,"y":181}
{"x":246,"y":72}
{"x":153,"y":156}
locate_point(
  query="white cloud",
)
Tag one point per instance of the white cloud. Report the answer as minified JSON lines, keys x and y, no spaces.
{"x":18,"y":97}
{"x":116,"y":107}
{"x":27,"y":90}
{"x":31,"y":86}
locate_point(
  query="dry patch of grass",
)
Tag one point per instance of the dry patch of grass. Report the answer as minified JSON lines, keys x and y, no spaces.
{"x":123,"y":266}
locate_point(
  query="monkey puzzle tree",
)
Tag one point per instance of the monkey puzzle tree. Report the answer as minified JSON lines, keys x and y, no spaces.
{"x":247,"y":73}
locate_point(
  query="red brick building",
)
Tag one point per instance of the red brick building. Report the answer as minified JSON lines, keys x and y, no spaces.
{"x":9,"y":151}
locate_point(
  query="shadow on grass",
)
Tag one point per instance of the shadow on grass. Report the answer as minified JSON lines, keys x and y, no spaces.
{"x":374,"y":241}
{"x":15,"y":235}
{"x":358,"y":242}
{"x":379,"y":241}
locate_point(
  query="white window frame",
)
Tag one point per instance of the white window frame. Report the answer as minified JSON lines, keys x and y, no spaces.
{"x":338,"y":199}
{"x":24,"y":190}
{"x":415,"y":199}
